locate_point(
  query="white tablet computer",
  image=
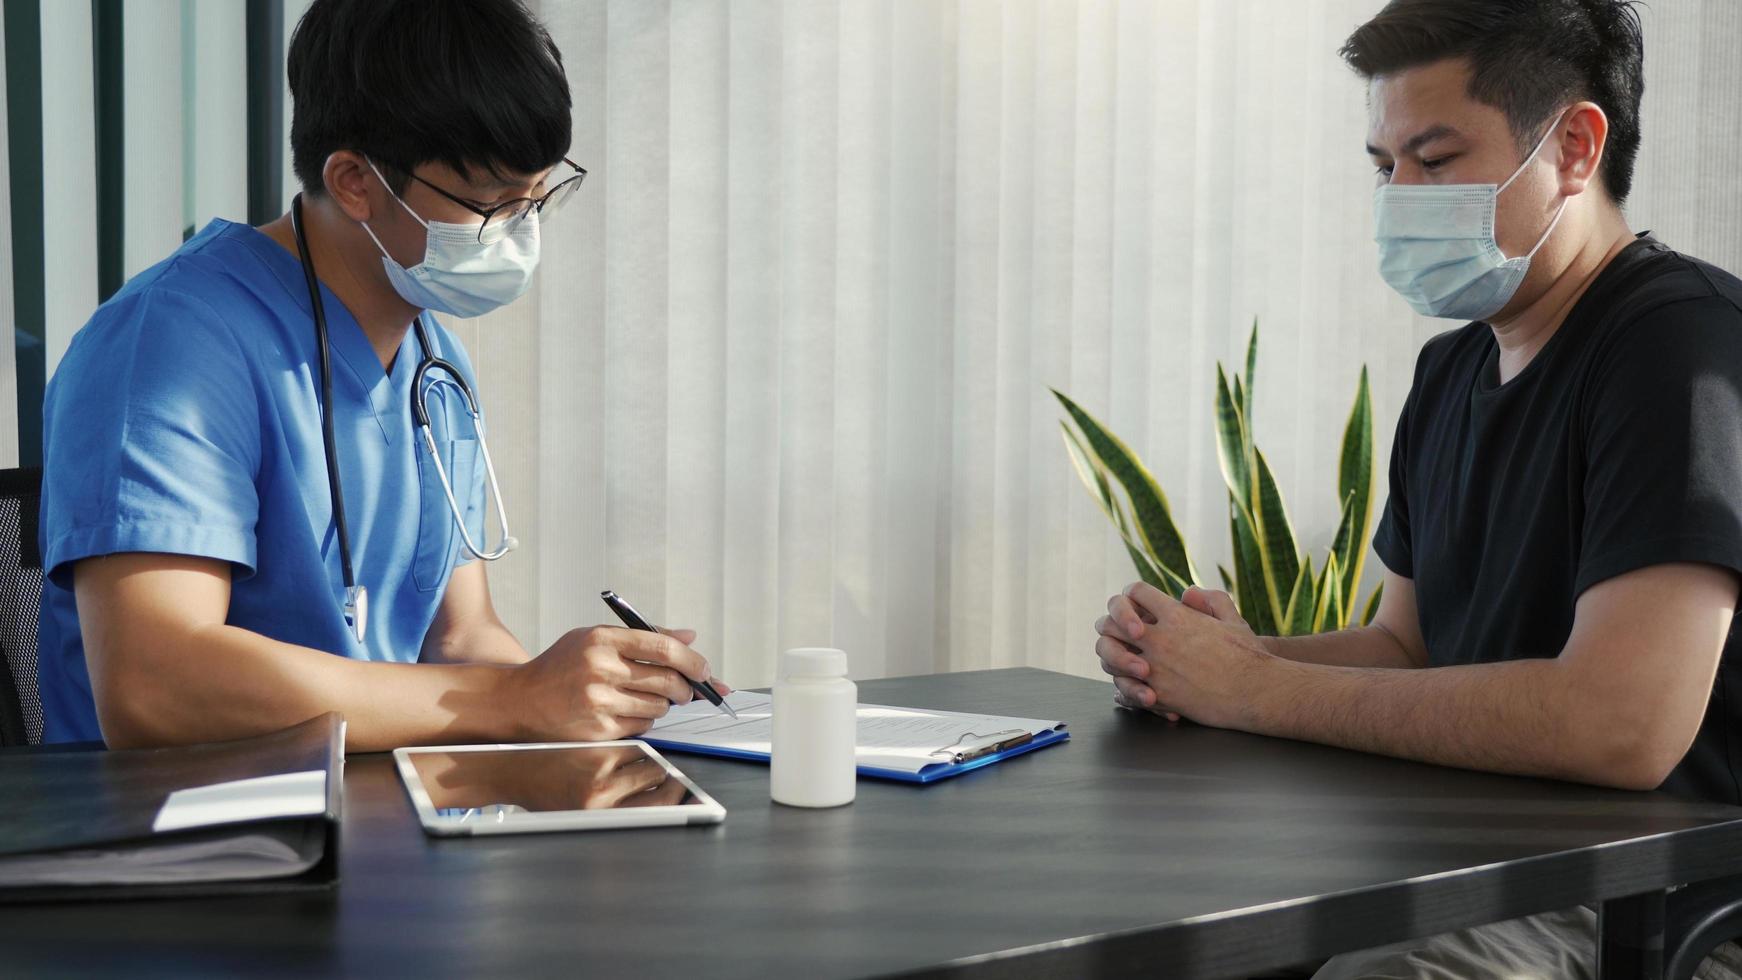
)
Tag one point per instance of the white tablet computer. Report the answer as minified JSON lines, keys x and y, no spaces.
{"x":461,"y":790}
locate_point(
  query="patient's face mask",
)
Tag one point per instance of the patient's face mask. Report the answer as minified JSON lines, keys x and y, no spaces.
{"x":459,"y":276}
{"x":1437,"y":245}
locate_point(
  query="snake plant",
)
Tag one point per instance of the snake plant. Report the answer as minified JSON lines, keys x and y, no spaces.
{"x":1276,"y":586}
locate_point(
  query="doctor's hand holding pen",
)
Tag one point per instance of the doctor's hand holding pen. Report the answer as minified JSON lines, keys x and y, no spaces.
{"x":606,"y":682}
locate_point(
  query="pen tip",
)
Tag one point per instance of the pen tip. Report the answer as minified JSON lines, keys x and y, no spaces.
{"x":728,"y":709}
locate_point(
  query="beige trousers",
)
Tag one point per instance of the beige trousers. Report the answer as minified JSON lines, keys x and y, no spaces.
{"x":1553,"y":946}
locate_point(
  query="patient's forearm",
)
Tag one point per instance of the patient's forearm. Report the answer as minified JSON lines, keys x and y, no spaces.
{"x":1362,"y":646}
{"x":1530,"y":717}
{"x":221,"y":682}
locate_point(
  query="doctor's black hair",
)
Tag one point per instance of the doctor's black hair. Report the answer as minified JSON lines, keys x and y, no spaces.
{"x":473,"y":84}
{"x":1528,"y":58}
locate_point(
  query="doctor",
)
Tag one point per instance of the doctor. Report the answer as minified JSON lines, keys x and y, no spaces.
{"x":244,"y":523}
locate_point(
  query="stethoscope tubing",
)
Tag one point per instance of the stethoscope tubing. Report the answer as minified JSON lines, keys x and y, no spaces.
{"x":356,"y":597}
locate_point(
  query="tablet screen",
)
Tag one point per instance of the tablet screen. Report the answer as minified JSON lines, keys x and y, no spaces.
{"x":498,"y":782}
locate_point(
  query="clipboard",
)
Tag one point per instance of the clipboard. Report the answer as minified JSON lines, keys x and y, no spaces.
{"x":698,"y":729}
{"x":997,"y":752}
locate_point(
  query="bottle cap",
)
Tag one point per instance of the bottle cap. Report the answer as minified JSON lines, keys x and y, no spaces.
{"x":813,"y":662}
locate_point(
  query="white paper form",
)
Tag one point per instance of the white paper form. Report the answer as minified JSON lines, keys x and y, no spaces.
{"x":291,"y":794}
{"x":903,"y":739}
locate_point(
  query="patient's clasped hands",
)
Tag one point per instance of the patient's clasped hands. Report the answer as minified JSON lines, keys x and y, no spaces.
{"x":1194,"y":657}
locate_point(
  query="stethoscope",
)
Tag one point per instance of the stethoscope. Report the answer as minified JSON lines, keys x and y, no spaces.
{"x":356,"y":599}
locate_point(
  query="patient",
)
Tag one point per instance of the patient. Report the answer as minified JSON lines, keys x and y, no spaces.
{"x":1563,"y":536}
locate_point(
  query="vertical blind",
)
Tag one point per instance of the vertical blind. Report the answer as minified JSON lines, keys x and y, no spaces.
{"x":784,"y":376}
{"x":127,"y":130}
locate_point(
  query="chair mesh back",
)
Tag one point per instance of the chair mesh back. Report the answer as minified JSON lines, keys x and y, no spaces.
{"x":20,"y":600}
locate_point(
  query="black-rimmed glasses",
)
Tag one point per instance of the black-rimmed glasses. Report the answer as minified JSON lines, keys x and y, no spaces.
{"x":500,"y":220}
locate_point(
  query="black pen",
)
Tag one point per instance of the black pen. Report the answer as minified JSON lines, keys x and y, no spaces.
{"x":633,"y":620}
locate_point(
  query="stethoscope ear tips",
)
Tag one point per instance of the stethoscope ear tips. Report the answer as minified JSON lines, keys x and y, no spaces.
{"x":509,"y":544}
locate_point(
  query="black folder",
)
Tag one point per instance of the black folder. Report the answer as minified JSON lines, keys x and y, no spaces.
{"x":253,"y":815}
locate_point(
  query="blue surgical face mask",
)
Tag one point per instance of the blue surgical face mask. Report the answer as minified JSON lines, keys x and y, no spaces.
{"x":458,"y":276}
{"x":1437,"y":247}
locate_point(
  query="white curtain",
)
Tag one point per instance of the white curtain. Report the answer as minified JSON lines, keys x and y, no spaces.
{"x":784,"y":376}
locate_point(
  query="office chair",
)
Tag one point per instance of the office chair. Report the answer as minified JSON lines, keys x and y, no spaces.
{"x":1697,"y":919}
{"x":20,"y":603}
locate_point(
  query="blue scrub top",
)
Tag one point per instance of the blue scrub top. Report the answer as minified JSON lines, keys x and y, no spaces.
{"x":185,"y":419}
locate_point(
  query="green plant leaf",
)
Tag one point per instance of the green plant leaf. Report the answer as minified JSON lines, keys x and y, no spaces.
{"x":1373,"y":604}
{"x":1278,"y":590}
{"x":1152,"y":519}
{"x":1325,"y":608}
{"x":1231,"y":440}
{"x":1148,"y":572}
{"x":1277,"y":550}
{"x":1094,"y":476}
{"x":1355,"y":484}
{"x":1251,"y":374}
{"x":1345,"y":531}
{"x":1340,"y":605}
{"x":1249,"y":574}
{"x":1301,"y":601}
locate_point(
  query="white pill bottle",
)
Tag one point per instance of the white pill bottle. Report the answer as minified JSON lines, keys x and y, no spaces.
{"x":815,"y":724}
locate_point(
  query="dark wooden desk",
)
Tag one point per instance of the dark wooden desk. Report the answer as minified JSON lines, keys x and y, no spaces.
{"x":1138,"y":847}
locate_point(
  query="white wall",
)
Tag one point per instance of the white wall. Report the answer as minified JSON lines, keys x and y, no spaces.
{"x":215,"y":112}
{"x":69,"y":176}
{"x":153,"y":131}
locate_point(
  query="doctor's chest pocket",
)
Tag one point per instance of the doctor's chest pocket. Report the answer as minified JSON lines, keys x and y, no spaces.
{"x":438,"y":533}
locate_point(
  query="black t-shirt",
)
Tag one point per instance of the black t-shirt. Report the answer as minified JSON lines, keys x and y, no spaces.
{"x":1618,"y":447}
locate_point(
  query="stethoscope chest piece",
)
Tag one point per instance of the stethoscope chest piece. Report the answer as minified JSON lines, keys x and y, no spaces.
{"x":357,"y":610}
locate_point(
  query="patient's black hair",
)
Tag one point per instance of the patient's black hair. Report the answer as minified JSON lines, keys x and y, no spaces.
{"x":474,"y":84}
{"x":1528,"y":58}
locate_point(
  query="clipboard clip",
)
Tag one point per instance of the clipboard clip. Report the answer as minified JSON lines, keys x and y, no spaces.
{"x":956,"y":753}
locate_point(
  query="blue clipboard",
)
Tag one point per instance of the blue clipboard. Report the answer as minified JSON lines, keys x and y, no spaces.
{"x":930,"y":774}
